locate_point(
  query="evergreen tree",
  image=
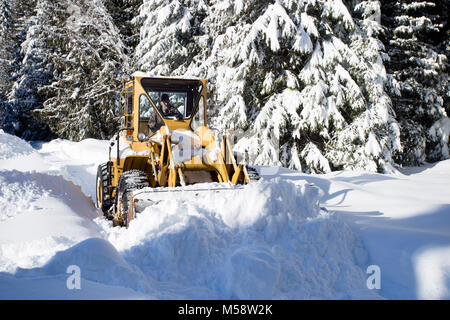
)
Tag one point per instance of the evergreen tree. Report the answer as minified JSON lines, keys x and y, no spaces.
{"x":303,"y":83}
{"x":167,"y":33}
{"x":416,"y":33}
{"x":301,"y":79}
{"x":122,"y":13}
{"x":84,"y":93}
{"x":372,"y":138}
{"x":6,"y":26}
{"x":31,"y":69}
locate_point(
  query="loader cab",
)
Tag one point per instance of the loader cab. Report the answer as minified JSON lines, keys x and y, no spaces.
{"x":187,"y":96}
{"x":141,"y":101}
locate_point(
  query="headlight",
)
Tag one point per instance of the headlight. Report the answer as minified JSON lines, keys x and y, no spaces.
{"x":142,"y":137}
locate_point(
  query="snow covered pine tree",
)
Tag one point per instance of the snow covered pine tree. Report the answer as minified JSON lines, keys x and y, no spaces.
{"x":416,"y":41}
{"x":122,"y":13}
{"x":6,"y":25}
{"x":302,"y":83}
{"x":303,"y":80}
{"x":83,"y":94}
{"x":30,"y":69}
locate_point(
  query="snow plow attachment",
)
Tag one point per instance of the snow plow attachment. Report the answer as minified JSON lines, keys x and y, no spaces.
{"x":140,"y":199}
{"x":165,"y":149}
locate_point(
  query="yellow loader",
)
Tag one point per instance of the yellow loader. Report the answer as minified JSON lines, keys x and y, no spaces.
{"x":164,"y":145}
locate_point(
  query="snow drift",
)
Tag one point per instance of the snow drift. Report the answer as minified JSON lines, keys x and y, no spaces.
{"x":269,"y":240}
{"x":40,"y":214}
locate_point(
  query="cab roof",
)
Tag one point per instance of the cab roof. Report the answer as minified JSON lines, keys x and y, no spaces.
{"x":140,"y":74}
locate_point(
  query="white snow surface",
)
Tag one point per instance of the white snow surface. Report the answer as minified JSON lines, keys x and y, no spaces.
{"x":288,"y":236}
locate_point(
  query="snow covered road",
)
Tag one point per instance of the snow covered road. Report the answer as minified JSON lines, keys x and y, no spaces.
{"x":270,"y":240}
{"x":403,"y":220}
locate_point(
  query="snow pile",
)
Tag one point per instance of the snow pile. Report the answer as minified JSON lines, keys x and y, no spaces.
{"x":105,"y":275}
{"x":99,"y":262}
{"x":404,"y":222}
{"x":268,"y":240}
{"x":40,"y":212}
{"x":17,"y":193}
{"x":75,"y":161}
{"x":12,"y":146}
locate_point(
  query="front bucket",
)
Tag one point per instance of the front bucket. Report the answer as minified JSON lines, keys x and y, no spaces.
{"x":146,"y":197}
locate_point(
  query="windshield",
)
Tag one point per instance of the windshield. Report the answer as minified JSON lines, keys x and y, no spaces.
{"x":174,"y":98}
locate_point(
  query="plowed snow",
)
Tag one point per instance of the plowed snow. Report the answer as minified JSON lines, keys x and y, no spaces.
{"x":269,"y":240}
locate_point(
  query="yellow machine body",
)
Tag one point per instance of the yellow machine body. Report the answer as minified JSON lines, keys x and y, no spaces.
{"x":142,"y":149}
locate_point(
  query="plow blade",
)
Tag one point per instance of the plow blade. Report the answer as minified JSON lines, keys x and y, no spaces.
{"x":147,"y":197}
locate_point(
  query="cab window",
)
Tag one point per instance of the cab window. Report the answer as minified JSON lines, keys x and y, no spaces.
{"x":128,"y":110}
{"x":146,"y":111}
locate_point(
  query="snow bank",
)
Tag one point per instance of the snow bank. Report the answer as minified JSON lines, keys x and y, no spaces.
{"x":40,"y":214}
{"x":17,"y":193}
{"x":76,"y":161}
{"x":12,"y":146}
{"x":104,"y":275}
{"x":404,"y":221}
{"x":84,"y":152}
{"x":98,"y":261}
{"x":16,"y":154}
{"x":268,"y":240}
{"x":46,"y":224}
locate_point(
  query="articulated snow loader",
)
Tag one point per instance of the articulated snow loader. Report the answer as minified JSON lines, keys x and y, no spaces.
{"x":165,"y":146}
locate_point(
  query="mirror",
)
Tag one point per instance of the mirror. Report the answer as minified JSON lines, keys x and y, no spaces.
{"x":120,"y":100}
